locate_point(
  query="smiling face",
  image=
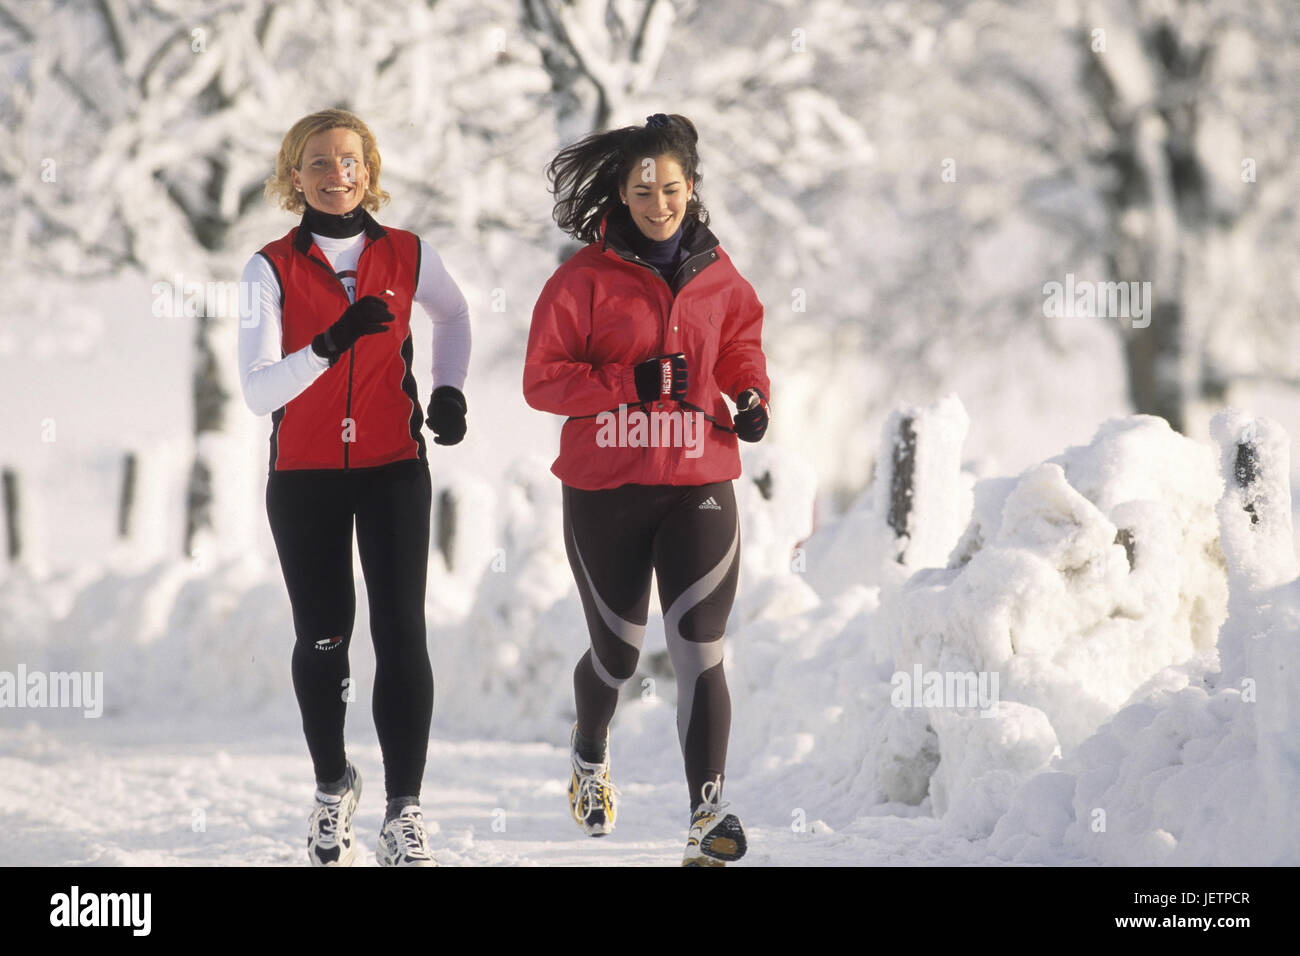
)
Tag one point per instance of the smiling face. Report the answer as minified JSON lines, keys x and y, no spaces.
{"x":332,"y":176}
{"x":656,"y":194}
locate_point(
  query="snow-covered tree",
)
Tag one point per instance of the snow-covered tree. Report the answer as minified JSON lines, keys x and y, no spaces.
{"x":144,"y":132}
{"x":598,"y":54}
{"x":1198,"y":100}
{"x":899,"y":179}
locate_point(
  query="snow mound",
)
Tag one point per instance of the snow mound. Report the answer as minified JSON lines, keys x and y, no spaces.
{"x":1202,"y":766}
{"x":1072,"y":586}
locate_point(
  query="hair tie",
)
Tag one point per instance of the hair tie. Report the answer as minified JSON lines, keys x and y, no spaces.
{"x":658,"y":121}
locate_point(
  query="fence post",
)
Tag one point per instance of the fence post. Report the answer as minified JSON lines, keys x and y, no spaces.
{"x":447,"y":526}
{"x":13,"y":521}
{"x":919,"y":491}
{"x":1255,"y":510}
{"x":1124,"y":537}
{"x":127,"y":502}
{"x":902,"y":474}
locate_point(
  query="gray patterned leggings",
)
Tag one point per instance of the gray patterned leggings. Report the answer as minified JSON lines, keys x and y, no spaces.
{"x":689,"y":537}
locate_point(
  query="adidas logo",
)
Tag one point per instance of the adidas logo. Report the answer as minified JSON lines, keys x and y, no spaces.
{"x":710,"y":505}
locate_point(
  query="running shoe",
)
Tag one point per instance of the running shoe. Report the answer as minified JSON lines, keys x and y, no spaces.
{"x":715,"y":838}
{"x":330,"y":840}
{"x":593,"y":800}
{"x":404,"y":842}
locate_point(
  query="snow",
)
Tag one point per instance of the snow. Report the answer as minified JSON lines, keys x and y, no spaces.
{"x":1111,"y":736}
{"x":1105,"y":698}
{"x":1130,"y":627}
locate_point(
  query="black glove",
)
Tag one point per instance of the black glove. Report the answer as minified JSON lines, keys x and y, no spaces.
{"x":447,"y":415}
{"x":751,"y":415}
{"x":663,"y":376}
{"x":366,"y":316}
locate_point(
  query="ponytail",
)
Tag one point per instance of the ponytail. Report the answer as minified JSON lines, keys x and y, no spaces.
{"x":585,"y":177}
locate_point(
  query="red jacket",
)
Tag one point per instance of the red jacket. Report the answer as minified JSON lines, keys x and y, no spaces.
{"x":603,"y":312}
{"x":372,"y":384}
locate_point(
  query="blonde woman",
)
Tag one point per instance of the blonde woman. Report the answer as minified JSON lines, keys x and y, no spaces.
{"x":325,"y":349}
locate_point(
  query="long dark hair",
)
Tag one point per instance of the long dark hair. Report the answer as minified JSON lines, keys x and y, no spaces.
{"x":586,"y":175}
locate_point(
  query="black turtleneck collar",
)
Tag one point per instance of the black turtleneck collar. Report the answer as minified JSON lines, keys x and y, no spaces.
{"x":621,"y":235}
{"x":335,"y":227}
{"x":663,"y":254}
{"x":652,"y":250}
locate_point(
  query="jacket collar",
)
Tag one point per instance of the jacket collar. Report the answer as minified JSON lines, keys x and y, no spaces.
{"x":696,"y":237}
{"x":302,"y":240}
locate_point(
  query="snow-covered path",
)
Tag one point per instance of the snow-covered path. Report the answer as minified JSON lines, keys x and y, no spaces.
{"x":110,"y":792}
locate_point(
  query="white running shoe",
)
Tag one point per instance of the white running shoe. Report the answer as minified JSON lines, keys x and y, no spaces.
{"x":404,"y":842}
{"x":330,"y":840}
{"x":715,"y":838}
{"x":593,"y":800}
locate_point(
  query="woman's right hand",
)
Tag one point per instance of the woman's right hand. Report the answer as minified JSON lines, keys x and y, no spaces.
{"x":661,"y":377}
{"x":366,"y":316}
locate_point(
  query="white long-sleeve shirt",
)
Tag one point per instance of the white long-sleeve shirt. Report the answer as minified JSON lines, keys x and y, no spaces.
{"x":270,"y":379}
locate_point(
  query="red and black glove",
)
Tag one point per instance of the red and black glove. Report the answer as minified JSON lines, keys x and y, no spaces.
{"x":366,"y":316}
{"x":751,"y":417}
{"x":663,"y":376}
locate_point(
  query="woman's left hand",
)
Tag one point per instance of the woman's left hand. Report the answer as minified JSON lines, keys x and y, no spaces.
{"x":751,"y":415}
{"x":447,"y":415}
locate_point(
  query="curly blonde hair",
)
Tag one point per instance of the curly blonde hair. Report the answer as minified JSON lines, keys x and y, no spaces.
{"x":279,"y":186}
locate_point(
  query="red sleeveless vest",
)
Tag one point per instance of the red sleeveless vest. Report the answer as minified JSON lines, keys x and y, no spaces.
{"x":364,"y":411}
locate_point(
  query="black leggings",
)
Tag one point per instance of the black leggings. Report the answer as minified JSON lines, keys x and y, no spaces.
{"x":690,"y":538}
{"x":311,"y":515}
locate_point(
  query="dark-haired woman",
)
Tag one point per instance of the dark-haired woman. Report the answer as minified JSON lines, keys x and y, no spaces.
{"x":325,"y":350}
{"x":635,"y":340}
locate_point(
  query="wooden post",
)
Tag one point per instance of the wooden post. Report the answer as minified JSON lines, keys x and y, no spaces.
{"x":901,"y":485}
{"x":13,"y":524}
{"x":918,"y":494}
{"x":127,"y":501}
{"x":198,"y":512}
{"x":1245,"y":470}
{"x":447,"y":526}
{"x":1255,"y":510}
{"x":1125,"y":537}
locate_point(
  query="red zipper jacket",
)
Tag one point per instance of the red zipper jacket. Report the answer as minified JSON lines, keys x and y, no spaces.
{"x":604,"y":311}
{"x":371,"y":388}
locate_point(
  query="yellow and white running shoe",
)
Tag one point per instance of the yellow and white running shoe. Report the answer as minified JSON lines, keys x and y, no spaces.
{"x":715,"y":838}
{"x":593,"y":800}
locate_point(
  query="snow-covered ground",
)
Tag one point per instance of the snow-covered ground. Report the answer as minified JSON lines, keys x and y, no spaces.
{"x":215,"y":792}
{"x":1128,"y":632}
